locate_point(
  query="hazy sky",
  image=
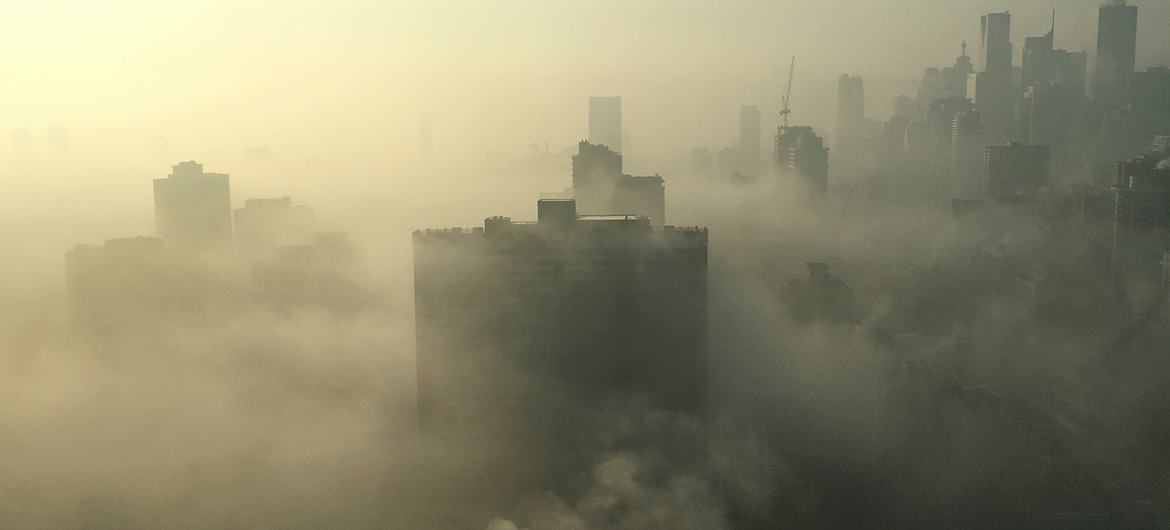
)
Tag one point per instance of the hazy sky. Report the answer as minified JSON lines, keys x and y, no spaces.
{"x":318,"y":77}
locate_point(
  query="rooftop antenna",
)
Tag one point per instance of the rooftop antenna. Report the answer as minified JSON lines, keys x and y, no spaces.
{"x":784,"y":112}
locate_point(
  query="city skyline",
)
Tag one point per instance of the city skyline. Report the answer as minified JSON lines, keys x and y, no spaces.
{"x":590,"y":266}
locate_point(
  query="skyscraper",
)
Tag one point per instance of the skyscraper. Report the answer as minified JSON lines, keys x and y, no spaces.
{"x":1141,"y":227}
{"x":605,"y":122}
{"x":996,"y":43}
{"x":1116,"y":54}
{"x":193,"y":209}
{"x":801,"y":154}
{"x":1038,"y":61}
{"x":850,"y":114}
{"x":967,"y":152}
{"x":519,"y":321}
{"x":749,"y":139}
{"x":993,"y":92}
{"x":600,"y":186}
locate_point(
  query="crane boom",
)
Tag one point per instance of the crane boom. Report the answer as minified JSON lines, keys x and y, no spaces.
{"x":784,"y":112}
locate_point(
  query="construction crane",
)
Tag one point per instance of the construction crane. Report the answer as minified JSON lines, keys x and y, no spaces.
{"x":784,"y":112}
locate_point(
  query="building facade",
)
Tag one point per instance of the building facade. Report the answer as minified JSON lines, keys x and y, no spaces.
{"x":517,"y":321}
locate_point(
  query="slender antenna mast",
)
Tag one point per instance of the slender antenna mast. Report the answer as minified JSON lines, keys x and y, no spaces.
{"x":784,"y":112}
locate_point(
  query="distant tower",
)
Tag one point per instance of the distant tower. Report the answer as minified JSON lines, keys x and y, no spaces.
{"x":605,"y":122}
{"x":993,"y":83}
{"x":1116,"y":47}
{"x":800,"y":153}
{"x":850,"y":113}
{"x":996,"y":40}
{"x":193,"y":209}
{"x":749,"y":139}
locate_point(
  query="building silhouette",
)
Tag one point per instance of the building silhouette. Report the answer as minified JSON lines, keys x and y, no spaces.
{"x":605,"y":122}
{"x":520,"y":321}
{"x":600,"y":186}
{"x":991,"y":86}
{"x":264,"y":224}
{"x":851,"y":126}
{"x":750,"y":140}
{"x":967,"y":151}
{"x":137,"y":284}
{"x":1116,"y":54}
{"x":1015,"y":168}
{"x":801,"y":155}
{"x":1141,"y":226}
{"x":192,"y":209}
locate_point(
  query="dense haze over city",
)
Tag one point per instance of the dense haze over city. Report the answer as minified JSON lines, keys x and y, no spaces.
{"x":585,"y":265}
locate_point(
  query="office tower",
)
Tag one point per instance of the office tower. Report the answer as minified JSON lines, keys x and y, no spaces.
{"x":192,"y":209}
{"x":1128,"y":133}
{"x":600,"y":187}
{"x":57,"y":138}
{"x":850,"y":115}
{"x":264,"y":224}
{"x":800,"y":154}
{"x":820,"y":297}
{"x":956,"y":76}
{"x":1141,"y":227}
{"x":992,"y":85}
{"x":524,"y":322}
{"x":996,"y":43}
{"x":605,"y":122}
{"x":134,"y":284}
{"x":1116,"y":53}
{"x":1150,"y":95}
{"x":940,"y":119}
{"x":1037,"y":63}
{"x":749,"y":139}
{"x":1015,"y":168}
{"x":967,"y":152}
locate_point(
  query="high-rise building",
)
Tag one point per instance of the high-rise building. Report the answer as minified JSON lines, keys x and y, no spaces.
{"x":1150,"y":95}
{"x":1141,"y":227}
{"x":1116,"y":54}
{"x":940,"y":119}
{"x":996,"y":43}
{"x":850,"y":113}
{"x":264,"y":224}
{"x":1037,"y":65}
{"x":992,"y":84}
{"x":801,"y":154}
{"x":193,"y":209}
{"x":1128,"y":133}
{"x":1015,"y":168}
{"x":600,"y":187}
{"x":956,"y":76}
{"x":530,"y":321}
{"x":967,"y":152}
{"x":749,"y":139}
{"x":134,"y":283}
{"x":605,"y":122}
